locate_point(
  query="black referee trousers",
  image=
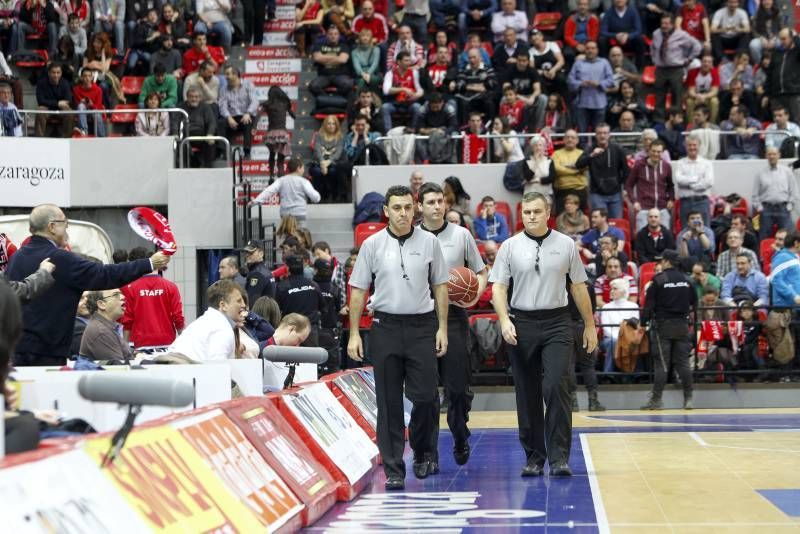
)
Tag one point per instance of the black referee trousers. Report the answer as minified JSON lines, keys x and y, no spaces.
{"x":454,"y":374}
{"x":670,"y":344}
{"x":403,"y":351}
{"x":585,"y":361}
{"x":540,"y":363}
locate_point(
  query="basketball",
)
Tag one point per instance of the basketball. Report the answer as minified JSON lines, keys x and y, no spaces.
{"x":462,"y":287}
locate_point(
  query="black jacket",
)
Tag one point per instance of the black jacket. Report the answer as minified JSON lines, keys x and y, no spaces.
{"x":48,"y":95}
{"x":49,"y":321}
{"x":783,"y":73}
{"x":670,"y":296}
{"x":297,"y":294}
{"x":647,"y":248}
{"x":330,"y":294}
{"x":607,"y":171}
{"x":201,"y":119}
{"x":259,"y":282}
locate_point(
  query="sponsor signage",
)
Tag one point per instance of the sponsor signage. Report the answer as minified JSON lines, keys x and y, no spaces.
{"x":35,"y":171}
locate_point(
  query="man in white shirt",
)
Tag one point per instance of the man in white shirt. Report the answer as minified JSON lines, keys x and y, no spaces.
{"x":781,"y":129}
{"x":210,"y":337}
{"x":693,"y":177}
{"x":509,"y":17}
{"x":294,"y":189}
{"x":730,"y":29}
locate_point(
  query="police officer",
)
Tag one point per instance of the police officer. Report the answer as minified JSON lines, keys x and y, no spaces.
{"x":460,"y":250}
{"x":586,"y":360}
{"x":668,"y":302}
{"x":329,"y":320}
{"x":259,"y":281}
{"x":539,"y":329}
{"x":297,"y":294}
{"x":406,"y":265}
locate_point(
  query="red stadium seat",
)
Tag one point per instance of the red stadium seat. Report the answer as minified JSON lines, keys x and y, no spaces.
{"x":546,"y":21}
{"x":765,"y":253}
{"x":650,"y":101}
{"x":364,"y":230}
{"x":646,"y":273}
{"x":676,"y":218}
{"x":132,"y":85}
{"x":124,"y":118}
{"x":649,"y":75}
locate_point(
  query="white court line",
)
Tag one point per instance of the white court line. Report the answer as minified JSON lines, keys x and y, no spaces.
{"x":703,"y":443}
{"x":597,"y":499}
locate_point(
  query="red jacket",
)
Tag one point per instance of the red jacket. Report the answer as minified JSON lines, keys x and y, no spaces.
{"x":653,"y":185}
{"x":153,"y":311}
{"x":592,"y":29}
{"x":193,"y":57}
{"x":94,"y":94}
{"x":377,"y":25}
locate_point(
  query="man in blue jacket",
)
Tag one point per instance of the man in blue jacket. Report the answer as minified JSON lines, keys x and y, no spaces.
{"x":785,"y":274}
{"x":48,"y":321}
{"x":490,"y":224}
{"x":622,"y":24}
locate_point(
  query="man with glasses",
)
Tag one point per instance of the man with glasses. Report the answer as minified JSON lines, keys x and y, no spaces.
{"x":539,"y":331}
{"x":48,"y":321}
{"x":102,"y":339}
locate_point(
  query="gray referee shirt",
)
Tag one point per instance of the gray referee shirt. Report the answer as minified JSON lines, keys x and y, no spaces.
{"x":458,"y":247}
{"x":404,"y":271}
{"x":545,"y":290}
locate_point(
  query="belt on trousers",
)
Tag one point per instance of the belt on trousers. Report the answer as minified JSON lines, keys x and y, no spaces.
{"x":383,"y":316}
{"x":538,"y":315}
{"x":697,"y":197}
{"x":779,"y":204}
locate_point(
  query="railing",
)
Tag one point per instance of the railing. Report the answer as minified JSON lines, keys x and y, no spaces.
{"x":184,"y":148}
{"x":26,"y":112}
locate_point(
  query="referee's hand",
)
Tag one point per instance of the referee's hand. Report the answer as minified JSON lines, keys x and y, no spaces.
{"x":441,"y":342}
{"x":509,"y":332}
{"x":355,"y":349}
{"x":589,"y":338}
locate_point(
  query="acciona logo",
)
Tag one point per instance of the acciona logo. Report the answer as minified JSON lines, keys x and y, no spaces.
{"x":34,"y":175}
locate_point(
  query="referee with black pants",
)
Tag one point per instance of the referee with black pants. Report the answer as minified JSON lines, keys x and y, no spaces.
{"x":406,"y":266}
{"x":459,"y":250}
{"x":539,"y":329}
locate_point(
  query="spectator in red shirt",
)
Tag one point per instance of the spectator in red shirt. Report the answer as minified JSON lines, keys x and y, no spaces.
{"x":580,"y":27}
{"x":693,"y":19}
{"x":200,"y":52}
{"x":153,"y":309}
{"x":372,"y":21}
{"x":513,"y":108}
{"x":88,"y":95}
{"x":703,"y":88}
{"x":602,"y":286}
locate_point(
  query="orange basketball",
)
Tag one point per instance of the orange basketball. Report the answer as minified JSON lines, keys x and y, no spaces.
{"x":462,"y":287}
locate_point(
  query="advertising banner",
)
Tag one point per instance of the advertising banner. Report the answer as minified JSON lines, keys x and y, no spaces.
{"x":34,"y":171}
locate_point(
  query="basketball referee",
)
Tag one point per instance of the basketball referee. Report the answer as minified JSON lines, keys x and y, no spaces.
{"x":407,"y":266}
{"x":459,"y":250}
{"x":539,"y":329}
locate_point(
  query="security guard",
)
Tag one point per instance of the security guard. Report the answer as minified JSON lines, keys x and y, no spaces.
{"x":460,"y":250}
{"x":297,"y":294}
{"x":539,"y":329}
{"x":668,"y":302}
{"x":260,"y":282}
{"x":585,"y":360}
{"x":329,"y":320}
{"x":406,"y":265}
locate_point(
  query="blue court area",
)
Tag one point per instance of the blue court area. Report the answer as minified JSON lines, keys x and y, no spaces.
{"x":633,"y":472}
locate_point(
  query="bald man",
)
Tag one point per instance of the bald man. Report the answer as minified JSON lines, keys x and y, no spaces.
{"x":49,"y":320}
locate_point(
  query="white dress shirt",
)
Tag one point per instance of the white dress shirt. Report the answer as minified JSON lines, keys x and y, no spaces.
{"x":209,"y":338}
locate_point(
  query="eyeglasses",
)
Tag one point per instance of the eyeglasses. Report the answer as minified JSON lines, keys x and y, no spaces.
{"x":538,"y":251}
{"x":116,"y":294}
{"x":59,"y":221}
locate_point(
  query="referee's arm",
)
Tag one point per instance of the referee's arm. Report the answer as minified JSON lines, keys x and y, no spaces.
{"x":581,"y":296}
{"x":500,"y":303}
{"x":442,"y":300}
{"x":355,"y":349}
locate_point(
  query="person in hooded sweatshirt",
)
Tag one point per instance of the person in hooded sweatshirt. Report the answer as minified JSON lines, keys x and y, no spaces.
{"x":608,"y":170}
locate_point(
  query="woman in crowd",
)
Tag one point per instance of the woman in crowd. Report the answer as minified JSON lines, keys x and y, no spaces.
{"x":505,"y":149}
{"x":625,"y":100}
{"x":267,"y":309}
{"x":539,"y":172}
{"x":308,"y":20}
{"x":328,"y":148}
{"x":277,"y":139}
{"x":611,"y":316}
{"x":98,"y":58}
{"x":572,"y":221}
{"x":153,"y":123}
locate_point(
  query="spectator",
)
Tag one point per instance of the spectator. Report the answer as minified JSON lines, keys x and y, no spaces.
{"x":745,"y":144}
{"x":696,"y":240}
{"x":737,"y":96}
{"x":441,"y":76}
{"x":608,"y":170}
{"x":331,"y":56}
{"x":538,"y":171}
{"x":308,"y":19}
{"x":625,"y":100}
{"x":162,"y":84}
{"x":786,"y":274}
{"x":202,"y":122}
{"x":295,"y":191}
{"x":81,"y":8}
{"x":476,"y":15}
{"x":172,"y":24}
{"x":206,"y":83}
{"x":405,"y":43}
{"x":589,"y":244}
{"x":556,"y":115}
{"x":702,"y":87}
{"x":509,"y":18}
{"x":201,"y":52}
{"x":693,"y":19}
{"x":512,"y":108}
{"x":505,"y":54}
{"x":438,"y":121}
{"x":569,"y":179}
{"x":783,"y":129}
{"x":475,"y":88}
{"x":711,"y":307}
{"x":254,"y":17}
{"x":490,"y":225}
{"x":102,"y":339}
{"x":505,"y":149}
{"x":76,"y":33}
{"x":618,"y":309}
{"x":368,"y":104}
{"x":549,"y":62}
{"x":442,"y":39}
{"x":730,"y":28}
{"x":702,"y":279}
{"x":726,"y":260}
{"x":415,"y":15}
{"x":572,"y":221}
{"x":260,"y":282}
{"x":622,"y":26}
{"x":328,"y":150}
{"x":672,"y":49}
{"x":88,"y":95}
{"x":82,"y":316}
{"x":526,"y":82}
{"x":580,"y":27}
{"x":53,"y":93}
{"x":146,"y":40}
{"x":297,"y":294}
{"x":740,"y":223}
{"x":623,"y":69}
{"x":7,"y":77}
{"x":321,"y":250}
{"x":167,"y":57}
{"x":651,"y":12}
{"x":671,"y":132}
{"x":35,"y":17}
{"x":8,"y":21}
{"x":456,"y":198}
{"x":648,"y":136}
{"x":210,"y":337}
{"x":356,"y":141}
{"x":10,"y":119}
{"x":474,"y":43}
{"x":694,"y":178}
{"x":745,"y":283}
{"x":119,"y":255}
{"x":109,"y":17}
{"x":766,"y":25}
{"x":402,"y":90}
{"x":153,"y":309}
{"x":370,"y":20}
{"x":238,"y":106}
{"x":783,"y":76}
{"x":65,"y":55}
{"x":653,"y":239}
{"x":229,"y":270}
{"x":268,"y":310}
{"x":608,"y":248}
{"x":738,"y":69}
{"x":614,"y":271}
{"x":589,"y":78}
{"x":49,"y":322}
{"x":709,"y":140}
{"x":627,"y":133}
{"x":774,"y":191}
{"x":366,"y":59}
{"x":212,"y":17}
{"x":649,"y":186}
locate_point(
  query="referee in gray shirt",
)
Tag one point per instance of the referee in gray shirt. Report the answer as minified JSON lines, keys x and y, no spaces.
{"x":406,"y":266}
{"x":539,"y":329}
{"x":460,"y":250}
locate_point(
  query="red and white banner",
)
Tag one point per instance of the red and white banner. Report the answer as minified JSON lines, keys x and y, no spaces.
{"x":283,"y":79}
{"x":279,"y":25}
{"x":272,"y":66}
{"x":276,"y":52}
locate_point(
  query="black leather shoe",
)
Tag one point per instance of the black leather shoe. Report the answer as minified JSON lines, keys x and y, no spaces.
{"x":532,"y":470}
{"x":394,"y":482}
{"x":434,"y":464}
{"x":461,"y":452}
{"x":422,"y":465}
{"x":561,"y":469}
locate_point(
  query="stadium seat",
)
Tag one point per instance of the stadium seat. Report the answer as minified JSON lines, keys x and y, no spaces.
{"x":625,"y":226}
{"x":676,"y":218}
{"x":650,"y":101}
{"x":546,"y":21}
{"x":30,"y":63}
{"x":765,"y":254}
{"x":132,"y":85}
{"x":646,"y":273}
{"x":649,"y":75}
{"x":124,"y":118}
{"x":364,"y":230}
